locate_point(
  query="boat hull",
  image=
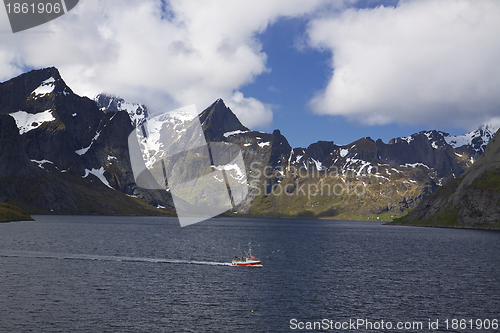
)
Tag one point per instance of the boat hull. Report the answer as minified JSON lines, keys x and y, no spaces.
{"x":248,"y":263}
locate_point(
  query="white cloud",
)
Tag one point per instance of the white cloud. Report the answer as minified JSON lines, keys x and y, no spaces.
{"x":423,"y":62}
{"x":204,"y":50}
{"x":494,"y":123}
{"x":250,"y":111}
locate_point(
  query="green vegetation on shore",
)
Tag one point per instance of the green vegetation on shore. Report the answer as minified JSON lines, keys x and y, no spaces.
{"x":10,"y":213}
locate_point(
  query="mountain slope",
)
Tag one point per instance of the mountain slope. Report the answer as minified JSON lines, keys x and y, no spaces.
{"x":58,"y":151}
{"x":320,"y":179}
{"x":10,"y":213}
{"x":62,"y":153}
{"x":218,"y":120}
{"x":471,"y":201}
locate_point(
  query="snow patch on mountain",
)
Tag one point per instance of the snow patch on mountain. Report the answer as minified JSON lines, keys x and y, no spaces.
{"x":228,"y":134}
{"x":414,"y":165}
{"x":99,"y":173}
{"x":408,"y":139}
{"x":184,"y":114}
{"x":83,"y":151}
{"x":137,"y":112}
{"x":478,"y":138}
{"x":28,"y":121}
{"x":46,"y":87}
{"x":41,"y":163}
{"x":431,"y":136}
{"x":234,"y":171}
{"x":156,"y":131}
{"x":459,"y":140}
{"x":319,"y":165}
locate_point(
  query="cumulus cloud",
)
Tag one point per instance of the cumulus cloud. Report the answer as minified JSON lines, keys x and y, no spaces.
{"x":162,"y":54}
{"x":422,"y":62}
{"x":248,"y":109}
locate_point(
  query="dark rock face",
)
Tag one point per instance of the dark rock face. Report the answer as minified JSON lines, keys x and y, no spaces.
{"x":15,"y":93}
{"x":107,"y":103}
{"x":428,"y":148}
{"x":14,"y":160}
{"x":48,"y":164}
{"x":76,"y":118}
{"x":218,"y":119}
{"x":471,"y":201}
{"x":319,"y":150}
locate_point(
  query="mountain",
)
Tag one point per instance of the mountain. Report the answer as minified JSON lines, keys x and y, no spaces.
{"x":62,"y":153}
{"x":320,"y":179}
{"x":112,"y":104}
{"x":470,"y":201}
{"x":218,"y":121}
{"x":476,"y":140}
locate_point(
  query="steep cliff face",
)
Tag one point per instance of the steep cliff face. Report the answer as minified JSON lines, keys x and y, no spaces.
{"x":60,"y":153}
{"x":217,"y":120}
{"x":470,"y":201}
{"x":12,"y":154}
{"x":49,"y":115}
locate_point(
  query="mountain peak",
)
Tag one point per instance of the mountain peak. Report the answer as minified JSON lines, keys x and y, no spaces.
{"x":218,"y":119}
{"x":18,"y":93}
{"x":477,"y":139}
{"x":109,"y":103}
{"x":492,"y":128}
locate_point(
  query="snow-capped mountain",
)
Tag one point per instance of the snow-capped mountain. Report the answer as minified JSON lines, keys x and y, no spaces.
{"x":73,"y":139}
{"x":137,"y":112}
{"x":69,"y":156}
{"x":159,"y":133}
{"x":470,"y":202}
{"x":477,"y":139}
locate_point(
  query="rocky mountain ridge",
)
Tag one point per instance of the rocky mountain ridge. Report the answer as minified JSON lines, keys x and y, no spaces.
{"x":56,"y":139}
{"x":470,"y":201}
{"x":61,"y":154}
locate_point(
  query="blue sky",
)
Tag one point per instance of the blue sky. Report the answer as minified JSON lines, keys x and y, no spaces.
{"x":295,"y":76}
{"x":334,"y":70}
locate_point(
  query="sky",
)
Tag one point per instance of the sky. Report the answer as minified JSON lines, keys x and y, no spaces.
{"x":334,"y":70}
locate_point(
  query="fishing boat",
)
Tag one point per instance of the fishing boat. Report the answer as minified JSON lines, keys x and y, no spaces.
{"x":247,"y":260}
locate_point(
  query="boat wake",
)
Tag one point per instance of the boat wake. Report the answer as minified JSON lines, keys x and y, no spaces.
{"x":44,"y":255}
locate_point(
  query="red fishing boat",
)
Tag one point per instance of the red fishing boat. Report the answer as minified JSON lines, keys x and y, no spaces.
{"x":247,"y":260}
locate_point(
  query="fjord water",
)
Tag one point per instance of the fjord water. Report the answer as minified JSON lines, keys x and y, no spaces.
{"x":146,"y":274}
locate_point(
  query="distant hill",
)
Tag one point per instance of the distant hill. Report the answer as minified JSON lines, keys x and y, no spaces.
{"x":470,"y":201}
{"x":10,"y":213}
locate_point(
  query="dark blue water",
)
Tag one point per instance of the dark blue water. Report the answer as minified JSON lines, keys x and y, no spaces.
{"x":146,"y":274}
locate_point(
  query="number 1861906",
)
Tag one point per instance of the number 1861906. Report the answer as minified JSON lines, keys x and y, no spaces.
{"x":40,"y":8}
{"x":478,"y":324}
